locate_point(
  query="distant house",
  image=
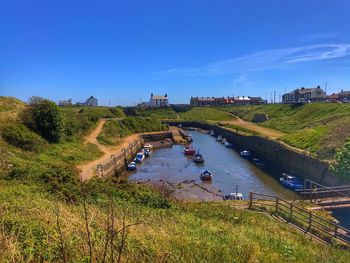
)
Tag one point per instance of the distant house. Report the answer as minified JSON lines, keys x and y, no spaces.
{"x":92,"y":101}
{"x":334,"y":97}
{"x":303,"y":95}
{"x":222,"y":101}
{"x":65,"y":102}
{"x":344,"y":96}
{"x":159,"y":101}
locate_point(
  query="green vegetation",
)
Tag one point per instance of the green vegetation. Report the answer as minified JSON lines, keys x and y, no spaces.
{"x":206,"y":114}
{"x":160,"y":113}
{"x":45,"y":118}
{"x":81,"y":120}
{"x":237,"y":128}
{"x":114,"y":130}
{"x":317,"y":127}
{"x":342,"y":166}
{"x":36,"y":227}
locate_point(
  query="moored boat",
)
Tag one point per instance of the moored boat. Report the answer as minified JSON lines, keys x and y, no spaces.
{"x":206,"y":175}
{"x":258,"y":162}
{"x":212,"y":133}
{"x":147,"y":152}
{"x":198,"y":158}
{"x":189,"y":150}
{"x":223,"y":141}
{"x":219,"y":138}
{"x":245,"y":153}
{"x":139,"y":157}
{"x":148,"y":146}
{"x":233,"y":196}
{"x":228,"y":145}
{"x":132,"y":166}
{"x":291,"y":182}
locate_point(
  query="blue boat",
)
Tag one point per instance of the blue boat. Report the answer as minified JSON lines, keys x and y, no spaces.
{"x":139,"y":157}
{"x":198,"y":158}
{"x":291,"y":182}
{"x":245,"y":154}
{"x":132,"y":166}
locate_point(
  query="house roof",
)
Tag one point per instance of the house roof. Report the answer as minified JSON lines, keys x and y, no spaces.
{"x":304,"y":90}
{"x":156,"y":97}
{"x":344,"y":92}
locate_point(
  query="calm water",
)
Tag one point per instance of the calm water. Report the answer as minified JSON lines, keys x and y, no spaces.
{"x":343,"y":215}
{"x":228,"y":168}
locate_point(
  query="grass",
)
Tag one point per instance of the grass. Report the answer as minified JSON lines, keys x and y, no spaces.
{"x":160,"y":113}
{"x":114,"y":130}
{"x":317,"y":127}
{"x":177,"y":232}
{"x":206,"y":114}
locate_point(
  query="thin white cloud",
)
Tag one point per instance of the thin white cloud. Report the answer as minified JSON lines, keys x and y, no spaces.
{"x":268,"y":59}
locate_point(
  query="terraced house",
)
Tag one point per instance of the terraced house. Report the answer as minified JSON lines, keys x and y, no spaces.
{"x":302,"y":95}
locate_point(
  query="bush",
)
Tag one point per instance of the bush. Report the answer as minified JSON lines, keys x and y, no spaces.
{"x":46,"y":118}
{"x":20,"y":136}
{"x":342,"y":168}
{"x":62,"y":179}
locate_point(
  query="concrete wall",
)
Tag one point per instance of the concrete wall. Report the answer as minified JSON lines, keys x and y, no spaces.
{"x":281,"y":158}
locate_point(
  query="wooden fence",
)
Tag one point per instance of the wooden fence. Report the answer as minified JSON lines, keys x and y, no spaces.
{"x":119,"y":161}
{"x":310,"y":222}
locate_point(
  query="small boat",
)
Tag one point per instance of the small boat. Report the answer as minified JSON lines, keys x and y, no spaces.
{"x":132,"y":166}
{"x":139,"y":157}
{"x":245,"y":154}
{"x":223,"y":141}
{"x":198,"y":158}
{"x":233,"y":196}
{"x":179,"y":125}
{"x":189,"y":150}
{"x":228,"y":145}
{"x":212,"y":133}
{"x":291,"y":182}
{"x":219,"y":138}
{"x":189,"y":138}
{"x":258,"y":162}
{"x":148,"y":146}
{"x":206,"y":175}
{"x":147,"y":152}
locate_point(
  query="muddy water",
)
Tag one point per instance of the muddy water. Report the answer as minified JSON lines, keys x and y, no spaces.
{"x":226,"y":165}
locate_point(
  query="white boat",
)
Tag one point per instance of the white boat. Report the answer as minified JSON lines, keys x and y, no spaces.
{"x":212,"y":133}
{"x":206,"y":175}
{"x":198,"y":158}
{"x":139,"y":157}
{"x":223,"y":140}
{"x":147,"y":152}
{"x":148,"y":146}
{"x":132,"y":166}
{"x":219,"y":138}
{"x":228,"y":145}
{"x":233,"y":196}
{"x":245,"y":153}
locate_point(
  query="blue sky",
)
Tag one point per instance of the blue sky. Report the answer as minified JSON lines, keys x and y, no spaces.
{"x":121,"y":51}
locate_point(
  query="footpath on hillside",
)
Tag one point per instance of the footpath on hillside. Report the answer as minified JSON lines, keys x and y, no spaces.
{"x":87,"y":170}
{"x":267,"y":132}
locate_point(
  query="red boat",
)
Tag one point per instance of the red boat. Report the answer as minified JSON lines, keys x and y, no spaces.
{"x":189,"y":150}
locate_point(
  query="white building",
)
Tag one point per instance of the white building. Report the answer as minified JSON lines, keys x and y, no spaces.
{"x":92,"y":101}
{"x":159,"y":101}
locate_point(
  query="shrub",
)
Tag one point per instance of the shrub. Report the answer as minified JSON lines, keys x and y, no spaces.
{"x":20,"y":136}
{"x":342,"y":168}
{"x":46,"y":118}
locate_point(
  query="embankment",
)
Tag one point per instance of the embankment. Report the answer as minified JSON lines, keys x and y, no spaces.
{"x":282,"y":158}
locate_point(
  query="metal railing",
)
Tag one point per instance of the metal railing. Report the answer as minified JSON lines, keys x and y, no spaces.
{"x":325,"y":229}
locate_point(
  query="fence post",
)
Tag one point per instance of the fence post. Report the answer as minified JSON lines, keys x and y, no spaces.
{"x":250,"y":199}
{"x":310,"y":220}
{"x":335,"y":230}
{"x":277,"y":201}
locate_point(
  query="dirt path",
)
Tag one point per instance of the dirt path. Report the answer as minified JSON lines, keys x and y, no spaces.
{"x":271,"y":133}
{"x":87,"y":170}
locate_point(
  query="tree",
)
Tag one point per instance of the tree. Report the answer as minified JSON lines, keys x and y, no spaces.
{"x":342,"y":167}
{"x":46,"y":118}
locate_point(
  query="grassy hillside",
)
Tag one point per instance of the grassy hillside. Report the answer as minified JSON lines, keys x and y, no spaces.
{"x":114,"y":130}
{"x":36,"y":227}
{"x":160,"y":113}
{"x":206,"y":114}
{"x":317,"y":127}
{"x":9,"y":108}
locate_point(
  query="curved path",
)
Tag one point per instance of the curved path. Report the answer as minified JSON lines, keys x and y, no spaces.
{"x":87,"y":170}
